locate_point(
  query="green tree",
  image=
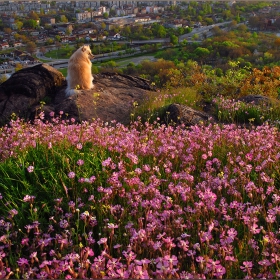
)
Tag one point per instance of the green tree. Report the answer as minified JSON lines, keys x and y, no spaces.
{"x":31,"y":47}
{"x":255,"y":35}
{"x":33,"y":15}
{"x":116,"y":29}
{"x":30,"y":23}
{"x":57,"y":38}
{"x":103,"y":25}
{"x":19,"y":24}
{"x":157,"y":71}
{"x":18,"y":67}
{"x":209,"y":21}
{"x":63,"y":18}
{"x":113,"y":12}
{"x":242,"y":28}
{"x":191,"y":11}
{"x":184,"y":42}
{"x":237,"y":18}
{"x":180,"y":30}
{"x":8,"y":30}
{"x":109,"y":65}
{"x":126,"y":31}
{"x":23,"y":38}
{"x":16,"y":36}
{"x":199,"y":18}
{"x":49,"y":41}
{"x":202,"y":53}
{"x":106,"y":15}
{"x":57,"y":18}
{"x":254,"y":22}
{"x":174,"y":40}
{"x":268,"y":56}
{"x":137,"y":30}
{"x":227,"y":15}
{"x":187,"y":30}
{"x":277,"y":42}
{"x":217,"y":31}
{"x":233,"y":24}
{"x":159,"y":30}
{"x":208,"y":8}
{"x":43,"y":50}
{"x":195,"y":36}
{"x":68,"y":31}
{"x":131,"y":69}
{"x":219,"y":72}
{"x":3,"y":78}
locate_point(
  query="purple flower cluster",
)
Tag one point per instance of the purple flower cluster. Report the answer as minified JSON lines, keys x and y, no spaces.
{"x":231,"y":110}
{"x":177,"y":203}
{"x":230,"y":105}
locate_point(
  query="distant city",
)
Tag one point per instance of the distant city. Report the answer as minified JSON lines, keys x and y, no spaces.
{"x":30,"y":29}
{"x":173,"y":2}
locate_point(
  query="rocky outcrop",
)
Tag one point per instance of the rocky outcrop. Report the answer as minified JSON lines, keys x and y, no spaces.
{"x":42,"y":87}
{"x":256,"y":99}
{"x":182,"y":114}
{"x":26,"y":88}
{"x":112,"y":98}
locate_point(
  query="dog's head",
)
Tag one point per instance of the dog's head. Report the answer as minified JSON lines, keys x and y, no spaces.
{"x":86,"y":49}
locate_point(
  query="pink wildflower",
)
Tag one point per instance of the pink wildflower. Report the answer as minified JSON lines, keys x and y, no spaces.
{"x":30,"y":169}
{"x":71,"y":175}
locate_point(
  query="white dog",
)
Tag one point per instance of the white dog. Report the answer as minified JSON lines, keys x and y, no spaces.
{"x":79,"y":74}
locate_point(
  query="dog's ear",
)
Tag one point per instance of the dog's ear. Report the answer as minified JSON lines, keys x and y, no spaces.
{"x":83,"y":48}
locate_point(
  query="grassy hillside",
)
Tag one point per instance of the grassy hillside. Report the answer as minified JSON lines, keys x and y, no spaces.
{"x":96,"y":200}
{"x":102,"y":200}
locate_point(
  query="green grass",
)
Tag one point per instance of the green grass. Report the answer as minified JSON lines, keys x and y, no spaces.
{"x":231,"y":111}
{"x":156,"y":104}
{"x":50,"y":176}
{"x":63,"y":71}
{"x":44,"y":60}
{"x":61,"y":53}
{"x":123,"y":62}
{"x":181,"y":163}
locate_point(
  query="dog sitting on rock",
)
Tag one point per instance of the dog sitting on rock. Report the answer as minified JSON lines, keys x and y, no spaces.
{"x":79,"y":76}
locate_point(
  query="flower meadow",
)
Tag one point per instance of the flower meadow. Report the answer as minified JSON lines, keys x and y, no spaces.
{"x":147,"y":201}
{"x":231,"y":110}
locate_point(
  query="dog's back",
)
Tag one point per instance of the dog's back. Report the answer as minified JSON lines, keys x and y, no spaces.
{"x":79,"y":71}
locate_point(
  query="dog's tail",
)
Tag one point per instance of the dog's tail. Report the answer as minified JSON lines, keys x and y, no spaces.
{"x":70,"y":91}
